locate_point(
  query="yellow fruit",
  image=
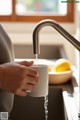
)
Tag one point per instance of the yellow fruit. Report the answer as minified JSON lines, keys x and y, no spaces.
{"x":62,"y":65}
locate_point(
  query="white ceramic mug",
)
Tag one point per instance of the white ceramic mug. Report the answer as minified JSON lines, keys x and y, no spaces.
{"x":41,"y":88}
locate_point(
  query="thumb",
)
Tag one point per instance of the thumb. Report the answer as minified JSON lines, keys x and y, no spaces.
{"x":26,"y":63}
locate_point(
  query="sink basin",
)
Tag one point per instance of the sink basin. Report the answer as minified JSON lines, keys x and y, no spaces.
{"x":31,"y":108}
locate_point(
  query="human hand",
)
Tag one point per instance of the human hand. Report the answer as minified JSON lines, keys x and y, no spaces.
{"x":18,"y":77}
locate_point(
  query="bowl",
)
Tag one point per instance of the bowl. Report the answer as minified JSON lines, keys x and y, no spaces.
{"x":60,"y":77}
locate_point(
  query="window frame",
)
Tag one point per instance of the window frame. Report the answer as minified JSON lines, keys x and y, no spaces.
{"x":69,"y":17}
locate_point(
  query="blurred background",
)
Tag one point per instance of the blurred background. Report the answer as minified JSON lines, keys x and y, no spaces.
{"x":19,"y":17}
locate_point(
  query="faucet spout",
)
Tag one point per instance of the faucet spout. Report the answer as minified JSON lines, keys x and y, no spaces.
{"x":55,"y":25}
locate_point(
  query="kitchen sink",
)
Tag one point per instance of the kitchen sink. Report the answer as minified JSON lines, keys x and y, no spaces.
{"x":32,"y":108}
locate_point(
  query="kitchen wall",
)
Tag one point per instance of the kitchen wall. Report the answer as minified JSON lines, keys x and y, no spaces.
{"x":21,"y":35}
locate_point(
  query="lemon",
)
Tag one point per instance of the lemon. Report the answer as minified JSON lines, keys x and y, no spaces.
{"x":62,"y":65}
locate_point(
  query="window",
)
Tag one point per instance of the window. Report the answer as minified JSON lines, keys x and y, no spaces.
{"x":36,"y":10}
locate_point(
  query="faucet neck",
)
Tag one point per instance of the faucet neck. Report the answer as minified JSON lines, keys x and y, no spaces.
{"x":55,"y":25}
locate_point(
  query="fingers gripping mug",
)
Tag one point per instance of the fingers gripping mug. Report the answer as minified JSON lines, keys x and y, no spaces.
{"x":41,"y":88}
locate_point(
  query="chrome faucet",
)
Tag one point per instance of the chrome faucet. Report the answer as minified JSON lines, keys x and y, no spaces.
{"x":55,"y":25}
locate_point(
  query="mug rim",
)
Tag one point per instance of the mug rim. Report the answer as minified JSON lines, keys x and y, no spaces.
{"x":39,"y":65}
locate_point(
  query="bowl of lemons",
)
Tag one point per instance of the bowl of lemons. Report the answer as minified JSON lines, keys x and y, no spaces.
{"x":60,"y":72}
